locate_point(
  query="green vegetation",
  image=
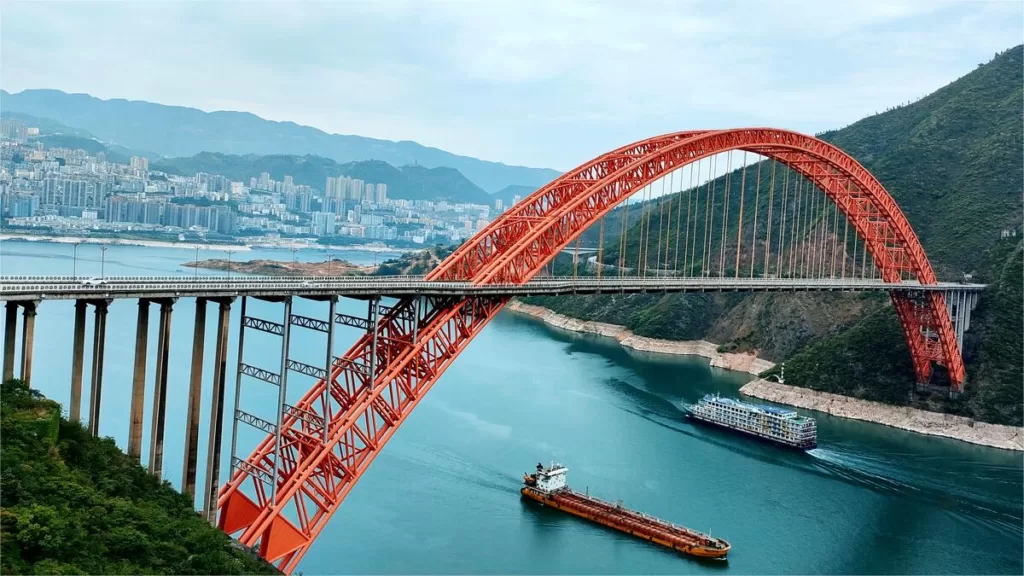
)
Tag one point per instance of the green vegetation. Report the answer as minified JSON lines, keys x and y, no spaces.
{"x":74,"y":504}
{"x":408,"y":182}
{"x":952,"y":162}
{"x":415,"y":263}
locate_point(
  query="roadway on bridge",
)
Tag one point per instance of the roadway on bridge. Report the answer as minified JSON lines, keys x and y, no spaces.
{"x":21,"y":288}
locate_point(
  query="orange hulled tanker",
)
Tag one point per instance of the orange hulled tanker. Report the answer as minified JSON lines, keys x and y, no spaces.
{"x":547,"y":486}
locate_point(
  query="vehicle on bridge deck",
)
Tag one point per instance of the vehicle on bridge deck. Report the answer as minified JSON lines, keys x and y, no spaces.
{"x":547,"y":486}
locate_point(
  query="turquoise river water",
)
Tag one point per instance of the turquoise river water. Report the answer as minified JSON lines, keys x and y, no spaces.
{"x":442,"y":498}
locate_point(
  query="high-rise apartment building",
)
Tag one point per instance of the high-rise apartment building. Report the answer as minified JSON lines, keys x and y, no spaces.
{"x":355,"y":190}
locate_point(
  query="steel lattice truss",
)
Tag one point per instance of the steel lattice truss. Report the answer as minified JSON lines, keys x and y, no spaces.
{"x":367,"y":397}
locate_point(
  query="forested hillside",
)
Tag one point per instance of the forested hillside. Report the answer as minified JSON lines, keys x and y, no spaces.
{"x":74,"y":504}
{"x":952,"y":160}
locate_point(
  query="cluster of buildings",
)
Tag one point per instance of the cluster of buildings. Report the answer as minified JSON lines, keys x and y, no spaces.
{"x":63,"y":190}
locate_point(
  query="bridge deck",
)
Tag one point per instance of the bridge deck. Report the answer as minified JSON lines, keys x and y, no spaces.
{"x":155,"y":287}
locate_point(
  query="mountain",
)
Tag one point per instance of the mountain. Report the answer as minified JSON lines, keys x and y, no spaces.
{"x":408,"y":182}
{"x":180,"y":131}
{"x":45,"y":125}
{"x":508,"y":193}
{"x":952,"y":161}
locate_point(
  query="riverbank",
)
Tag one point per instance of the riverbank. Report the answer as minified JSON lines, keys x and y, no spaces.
{"x":748,"y":363}
{"x":902,"y":417}
{"x":121,"y":242}
{"x":333,"y":267}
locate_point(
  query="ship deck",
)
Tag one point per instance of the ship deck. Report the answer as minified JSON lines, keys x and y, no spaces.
{"x":637,"y":522}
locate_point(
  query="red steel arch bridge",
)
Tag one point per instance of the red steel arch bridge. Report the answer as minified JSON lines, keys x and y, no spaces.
{"x":283,"y":494}
{"x":752,"y":209}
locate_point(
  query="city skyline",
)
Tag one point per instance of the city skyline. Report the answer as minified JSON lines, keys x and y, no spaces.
{"x":553,"y":84}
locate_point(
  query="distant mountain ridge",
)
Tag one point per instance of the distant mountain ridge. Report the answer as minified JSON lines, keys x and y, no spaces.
{"x":409,"y":182}
{"x":181,"y":131}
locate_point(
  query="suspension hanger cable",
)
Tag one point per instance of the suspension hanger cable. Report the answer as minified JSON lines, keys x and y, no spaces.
{"x":794,"y":206}
{"x":757,"y":208}
{"x":689,"y":198}
{"x":846,"y":230}
{"x":640,"y":242}
{"x":811,"y":231}
{"x":679,"y":219}
{"x":661,"y":216}
{"x":739,"y":224}
{"x":824,"y":236}
{"x":782,"y":222}
{"x":768,"y":221}
{"x":795,"y":227}
{"x":600,"y":247}
{"x":668,"y":230}
{"x":622,"y":240}
{"x":648,"y":208}
{"x":708,"y":214}
{"x":725,"y":213}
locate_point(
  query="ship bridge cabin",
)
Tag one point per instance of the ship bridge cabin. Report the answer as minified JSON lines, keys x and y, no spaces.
{"x":550,"y":479}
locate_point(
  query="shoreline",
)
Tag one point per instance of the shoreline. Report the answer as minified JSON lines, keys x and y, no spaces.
{"x":122,"y":242}
{"x":748,"y":363}
{"x":285,"y":246}
{"x":901,"y":417}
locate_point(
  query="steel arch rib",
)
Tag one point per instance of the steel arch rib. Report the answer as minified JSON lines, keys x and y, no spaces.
{"x":416,"y":346}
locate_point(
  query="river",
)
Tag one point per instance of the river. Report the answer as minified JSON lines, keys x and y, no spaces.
{"x":442,"y":498}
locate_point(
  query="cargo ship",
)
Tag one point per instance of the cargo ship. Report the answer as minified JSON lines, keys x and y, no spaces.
{"x":547,"y":486}
{"x":778,"y":425}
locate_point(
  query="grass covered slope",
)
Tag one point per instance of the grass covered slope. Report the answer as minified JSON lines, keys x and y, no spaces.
{"x":74,"y":504}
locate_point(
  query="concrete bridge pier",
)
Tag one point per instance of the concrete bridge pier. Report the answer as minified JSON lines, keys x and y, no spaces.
{"x":77,"y":361}
{"x":99,"y":337}
{"x":220,"y":364}
{"x":27,"y":338}
{"x":10,"y":333}
{"x":28,"y":330}
{"x":139,"y":381}
{"x":156,"y":445}
{"x":195,"y":390}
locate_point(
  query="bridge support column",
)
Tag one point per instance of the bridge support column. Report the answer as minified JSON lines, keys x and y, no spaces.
{"x":329,"y":367}
{"x":195,"y":390}
{"x":156,"y":444}
{"x":99,"y":337}
{"x":220,"y":365}
{"x":282,"y":396}
{"x":139,"y":381}
{"x":238,"y":392}
{"x":372,"y":325}
{"x":77,"y":361}
{"x":28,"y":331}
{"x":10,"y":334}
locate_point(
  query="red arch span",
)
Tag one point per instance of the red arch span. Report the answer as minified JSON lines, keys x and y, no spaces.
{"x":418,"y":339}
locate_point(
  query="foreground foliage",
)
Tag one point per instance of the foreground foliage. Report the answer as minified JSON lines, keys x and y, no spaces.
{"x":74,"y":504}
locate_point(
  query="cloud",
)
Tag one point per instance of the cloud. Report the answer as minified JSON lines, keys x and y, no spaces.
{"x":525,"y":82}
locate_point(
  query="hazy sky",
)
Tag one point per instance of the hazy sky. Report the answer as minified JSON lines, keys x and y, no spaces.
{"x":549,"y":83}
